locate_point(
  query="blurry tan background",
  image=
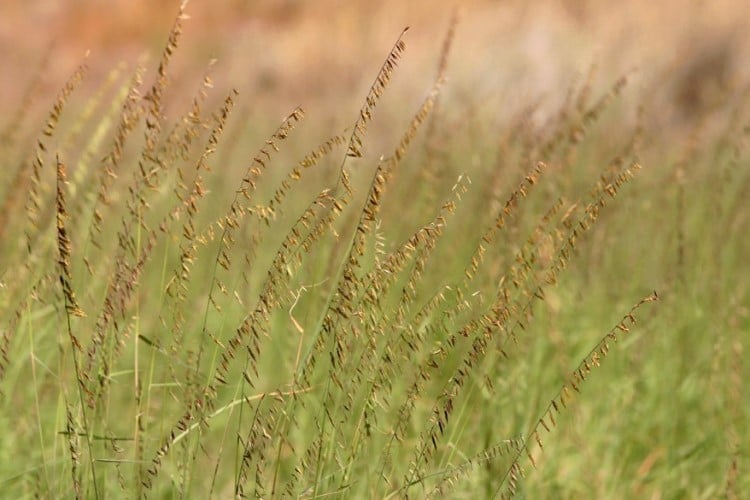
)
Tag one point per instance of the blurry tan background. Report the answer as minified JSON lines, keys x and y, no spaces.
{"x":289,"y":52}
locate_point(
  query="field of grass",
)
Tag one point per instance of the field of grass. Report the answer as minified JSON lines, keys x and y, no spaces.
{"x":431,"y":280}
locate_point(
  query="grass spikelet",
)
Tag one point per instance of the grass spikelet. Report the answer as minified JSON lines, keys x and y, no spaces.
{"x":247,"y":455}
{"x":110,"y":329}
{"x":237,"y":210}
{"x":476,"y":329}
{"x":260,"y":160}
{"x":8,"y":138}
{"x":37,"y":162}
{"x":73,"y":448}
{"x":520,"y":311}
{"x":177,"y":286}
{"x":154,"y":96}
{"x":533,"y":442}
{"x":130,"y":114}
{"x":376,"y":364}
{"x":339,"y":309}
{"x":488,"y":238}
{"x":348,"y":284}
{"x":247,"y":338}
{"x":453,"y":474}
{"x":71,"y":305}
{"x":64,"y":248}
{"x":354,"y":148}
{"x":295,"y":175}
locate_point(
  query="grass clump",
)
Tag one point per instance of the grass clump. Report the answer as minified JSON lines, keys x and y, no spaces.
{"x":179,"y":323}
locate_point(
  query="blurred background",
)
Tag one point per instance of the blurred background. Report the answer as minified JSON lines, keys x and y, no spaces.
{"x":285,"y":53}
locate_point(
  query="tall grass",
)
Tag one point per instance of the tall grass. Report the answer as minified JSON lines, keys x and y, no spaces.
{"x":183,"y":316}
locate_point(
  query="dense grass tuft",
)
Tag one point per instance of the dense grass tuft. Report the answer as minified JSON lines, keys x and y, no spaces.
{"x":185,"y":316}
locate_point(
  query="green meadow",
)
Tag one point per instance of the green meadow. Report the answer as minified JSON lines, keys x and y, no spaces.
{"x":439,"y":298}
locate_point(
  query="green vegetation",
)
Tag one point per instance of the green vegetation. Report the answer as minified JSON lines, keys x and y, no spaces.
{"x":470,"y":315}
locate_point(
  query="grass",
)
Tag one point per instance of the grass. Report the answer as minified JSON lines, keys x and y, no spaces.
{"x":469,"y":313}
